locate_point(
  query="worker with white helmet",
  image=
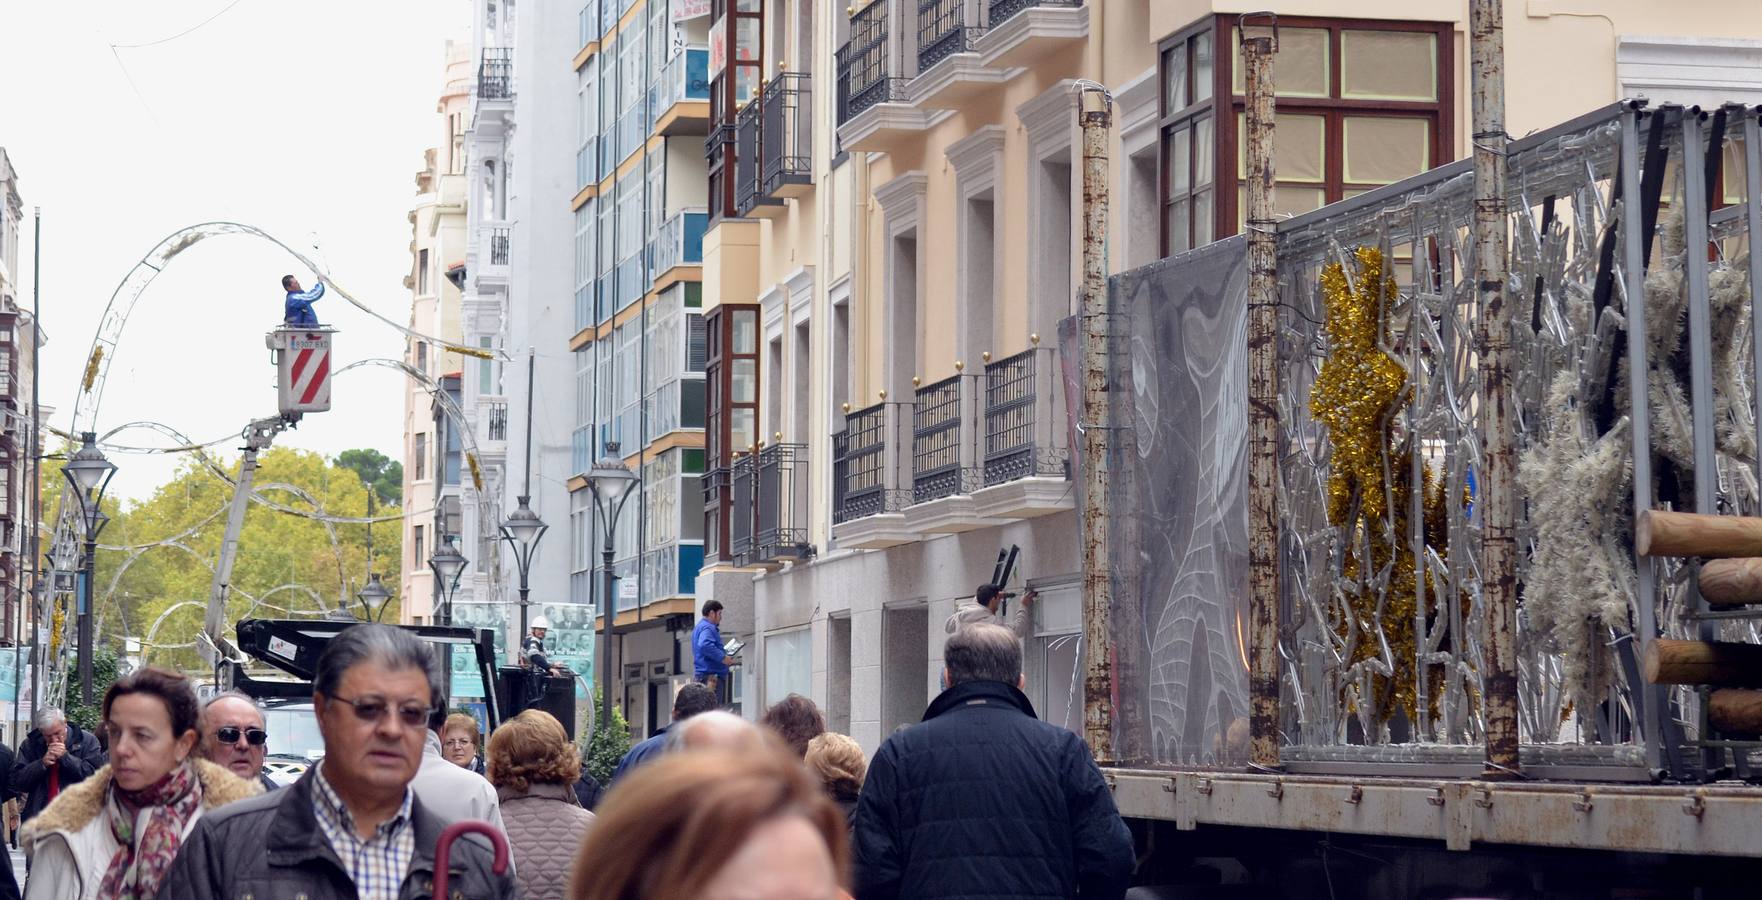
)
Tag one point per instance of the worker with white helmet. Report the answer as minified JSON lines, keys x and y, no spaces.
{"x":532,"y":648}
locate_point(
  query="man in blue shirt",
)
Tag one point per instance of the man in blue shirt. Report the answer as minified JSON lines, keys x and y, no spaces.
{"x":691,"y":700}
{"x":710,"y":660}
{"x":299,"y":307}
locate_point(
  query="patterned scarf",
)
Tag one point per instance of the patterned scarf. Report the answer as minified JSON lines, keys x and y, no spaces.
{"x":143,"y":859}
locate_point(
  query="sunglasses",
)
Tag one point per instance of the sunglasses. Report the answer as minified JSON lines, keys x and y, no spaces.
{"x":229,"y":734}
{"x":373,"y":709}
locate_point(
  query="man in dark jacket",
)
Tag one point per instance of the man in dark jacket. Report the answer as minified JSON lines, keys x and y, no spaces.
{"x":55,"y":756}
{"x":351,"y":827}
{"x":982,"y":799}
{"x":691,"y":700}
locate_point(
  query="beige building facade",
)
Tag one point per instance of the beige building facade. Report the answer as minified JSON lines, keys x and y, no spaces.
{"x":886,"y":271}
{"x":432,"y":449}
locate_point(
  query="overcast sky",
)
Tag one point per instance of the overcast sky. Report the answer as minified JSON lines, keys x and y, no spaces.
{"x":306,"y":119}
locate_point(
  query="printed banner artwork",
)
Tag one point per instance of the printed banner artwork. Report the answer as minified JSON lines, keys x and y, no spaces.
{"x":690,"y":9}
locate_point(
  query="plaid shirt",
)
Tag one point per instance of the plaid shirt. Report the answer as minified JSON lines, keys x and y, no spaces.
{"x":378,"y":864}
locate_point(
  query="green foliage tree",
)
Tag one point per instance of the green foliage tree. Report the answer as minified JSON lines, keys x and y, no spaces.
{"x":104,"y":674}
{"x":155,"y":560}
{"x":606,"y":748}
{"x":377,"y":471}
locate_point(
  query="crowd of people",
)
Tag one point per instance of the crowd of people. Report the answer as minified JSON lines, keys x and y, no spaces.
{"x":981,"y":799}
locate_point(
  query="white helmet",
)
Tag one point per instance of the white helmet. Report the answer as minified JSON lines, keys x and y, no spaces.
{"x":541,"y":622}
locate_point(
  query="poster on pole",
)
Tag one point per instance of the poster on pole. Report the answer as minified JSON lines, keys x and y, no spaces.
{"x":690,"y":9}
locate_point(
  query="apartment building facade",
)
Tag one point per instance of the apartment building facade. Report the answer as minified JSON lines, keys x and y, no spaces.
{"x":434,"y":464}
{"x":895,"y":204}
{"x":20,"y":341}
{"x":639,"y":206}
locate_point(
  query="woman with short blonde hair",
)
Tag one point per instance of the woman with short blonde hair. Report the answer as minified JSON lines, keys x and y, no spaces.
{"x":838,"y":761}
{"x":716,"y":825}
{"x":459,"y":742}
{"x":533,"y":767}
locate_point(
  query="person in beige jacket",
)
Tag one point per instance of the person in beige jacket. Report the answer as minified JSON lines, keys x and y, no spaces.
{"x":984,"y":608}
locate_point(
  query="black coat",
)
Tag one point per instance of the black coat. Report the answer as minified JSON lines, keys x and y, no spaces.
{"x":982,"y":799}
{"x":271,"y":847}
{"x":30,"y":778}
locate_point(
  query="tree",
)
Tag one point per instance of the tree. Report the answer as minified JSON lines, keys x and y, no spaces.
{"x":104,"y":674}
{"x":377,"y":471}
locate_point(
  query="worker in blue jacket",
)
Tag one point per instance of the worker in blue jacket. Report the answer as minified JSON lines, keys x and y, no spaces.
{"x":299,"y":306}
{"x":710,"y":659}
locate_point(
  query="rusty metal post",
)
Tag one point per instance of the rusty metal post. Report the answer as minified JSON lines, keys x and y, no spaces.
{"x":1095,"y":114}
{"x":1263,"y":410}
{"x":1498,"y":481}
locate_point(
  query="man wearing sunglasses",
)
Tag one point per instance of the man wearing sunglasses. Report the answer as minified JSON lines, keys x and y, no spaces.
{"x":351,"y":827}
{"x":233,"y":736}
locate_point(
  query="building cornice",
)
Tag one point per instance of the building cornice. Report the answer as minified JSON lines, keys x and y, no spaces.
{"x":1050,"y":118}
{"x":908,"y":188}
{"x":1137,"y":102}
{"x":976,"y":157}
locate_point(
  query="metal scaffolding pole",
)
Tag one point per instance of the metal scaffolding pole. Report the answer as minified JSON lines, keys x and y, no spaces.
{"x":1263,"y":409}
{"x":1095,"y":114}
{"x":1498,"y":480}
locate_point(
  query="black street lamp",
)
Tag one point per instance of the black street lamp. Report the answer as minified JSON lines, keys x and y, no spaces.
{"x":448,"y":565}
{"x":374,"y":597}
{"x":522,"y":529}
{"x":89,"y":473}
{"x":611,"y":483}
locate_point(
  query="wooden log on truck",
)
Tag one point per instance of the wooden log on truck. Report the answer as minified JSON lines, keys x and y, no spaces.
{"x":1716,"y":663}
{"x":1660,"y":533}
{"x":1735,"y":710}
{"x":1732,"y":582}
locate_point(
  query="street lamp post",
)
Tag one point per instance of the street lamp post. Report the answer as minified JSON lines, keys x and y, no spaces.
{"x":448,"y":565}
{"x":374,"y":597}
{"x":89,"y":473}
{"x":522,"y":530}
{"x":611,"y":482}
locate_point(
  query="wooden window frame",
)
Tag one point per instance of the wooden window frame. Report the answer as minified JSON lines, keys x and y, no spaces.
{"x":718,"y":403}
{"x":1224,"y":105}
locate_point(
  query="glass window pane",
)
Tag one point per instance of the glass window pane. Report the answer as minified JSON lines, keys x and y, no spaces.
{"x":1288,"y":200}
{"x":1200,"y":48}
{"x":1203,"y":162}
{"x":1174,"y":78}
{"x":746,"y":40}
{"x":1202,"y":217}
{"x":1300,"y":66}
{"x":1299,"y":145}
{"x":1180,"y":237}
{"x":1180,"y":162}
{"x":751,"y":6}
{"x":1380,"y":149}
{"x":746,"y":332}
{"x":1734,"y":169}
{"x":741,"y":423}
{"x":1389,"y":65}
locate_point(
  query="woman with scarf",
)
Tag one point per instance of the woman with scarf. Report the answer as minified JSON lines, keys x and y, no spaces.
{"x":114,"y":835}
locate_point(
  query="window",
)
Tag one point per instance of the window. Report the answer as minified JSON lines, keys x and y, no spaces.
{"x":420,"y":454}
{"x":731,"y":347}
{"x":421,"y":559}
{"x":789,"y":665}
{"x":422,"y":356}
{"x":422,"y":272}
{"x":1361,"y":104}
{"x":456,"y":156}
{"x":486,"y":368}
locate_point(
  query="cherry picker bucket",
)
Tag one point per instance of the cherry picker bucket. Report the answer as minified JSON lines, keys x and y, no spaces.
{"x":302,"y":369}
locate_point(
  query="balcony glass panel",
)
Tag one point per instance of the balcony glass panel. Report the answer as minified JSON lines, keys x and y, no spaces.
{"x":680,"y":241}
{"x":587,"y":163}
{"x":663,"y":410}
{"x":686,"y":77}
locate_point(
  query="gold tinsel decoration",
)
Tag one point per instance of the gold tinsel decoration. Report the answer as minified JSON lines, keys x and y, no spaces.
{"x":1355,"y":396}
{"x":59,"y":620}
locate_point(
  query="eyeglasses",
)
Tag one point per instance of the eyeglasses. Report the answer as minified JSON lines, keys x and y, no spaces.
{"x":229,"y":734}
{"x":459,"y":742}
{"x":373,"y":709}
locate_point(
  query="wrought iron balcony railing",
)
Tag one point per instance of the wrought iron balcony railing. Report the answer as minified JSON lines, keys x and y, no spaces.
{"x":1019,"y":436}
{"x":943,"y":32}
{"x":936,"y":441}
{"x":498,"y":420}
{"x":863,"y":76}
{"x":780,"y":504}
{"x":859,"y":476}
{"x":495,"y":74}
{"x":1002,"y":10}
{"x":716,"y":486}
{"x":786,"y":137}
{"x":746,"y":157}
{"x":742,"y":482}
{"x":498,"y":245}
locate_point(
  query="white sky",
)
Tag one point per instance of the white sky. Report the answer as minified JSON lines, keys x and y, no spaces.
{"x":306,"y":119}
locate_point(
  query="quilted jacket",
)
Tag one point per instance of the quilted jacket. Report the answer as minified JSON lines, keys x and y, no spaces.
{"x":983,"y":800}
{"x":546,"y":826}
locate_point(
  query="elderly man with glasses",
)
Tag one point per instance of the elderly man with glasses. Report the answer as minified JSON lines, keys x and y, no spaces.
{"x":233,"y":736}
{"x":351,"y":827}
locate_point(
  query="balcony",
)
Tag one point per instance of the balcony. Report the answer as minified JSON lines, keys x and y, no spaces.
{"x":1026,"y":445}
{"x":495,"y":420}
{"x":671,"y":571}
{"x":676,"y":405}
{"x":498,"y":245}
{"x":678,"y":244}
{"x":944,"y":469}
{"x":950,"y":72}
{"x":786,"y":136}
{"x":873,"y":111}
{"x":587,"y":170}
{"x":746,"y":157}
{"x":679,"y":101}
{"x":587,"y":27}
{"x":780,"y":506}
{"x":867,"y":492}
{"x":495,"y":75}
{"x":1022,"y":31}
{"x":743,"y":480}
